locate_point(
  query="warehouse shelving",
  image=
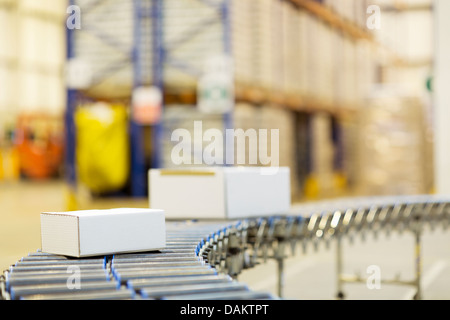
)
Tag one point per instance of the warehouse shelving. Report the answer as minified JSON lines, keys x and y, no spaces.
{"x":155,"y":57}
{"x":350,"y":29}
{"x":132,"y":55}
{"x":253,"y":94}
{"x":327,"y":15}
{"x":291,"y":102}
{"x":31,"y":62}
{"x":359,"y":33}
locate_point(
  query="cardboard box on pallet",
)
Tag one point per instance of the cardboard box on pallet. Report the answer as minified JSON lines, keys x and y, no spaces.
{"x":392,"y":144}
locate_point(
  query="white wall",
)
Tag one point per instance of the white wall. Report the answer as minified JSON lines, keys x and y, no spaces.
{"x":32,"y":55}
{"x":442,"y":96}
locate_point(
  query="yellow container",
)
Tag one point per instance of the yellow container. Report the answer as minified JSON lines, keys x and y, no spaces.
{"x":9,"y":164}
{"x":102,"y":146}
{"x":1,"y":166}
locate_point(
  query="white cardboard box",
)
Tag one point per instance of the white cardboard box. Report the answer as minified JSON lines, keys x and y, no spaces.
{"x":101,"y":232}
{"x":220,"y":192}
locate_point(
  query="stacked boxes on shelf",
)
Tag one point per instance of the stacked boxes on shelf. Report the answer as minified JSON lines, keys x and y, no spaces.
{"x":307,"y":61}
{"x":282,"y":50}
{"x":265,"y":15}
{"x":350,"y":10}
{"x":350,"y":161}
{"x":293,"y":51}
{"x":192,"y":124}
{"x":193,"y":33}
{"x":392,"y":146}
{"x":248,"y":144}
{"x":305,"y":55}
{"x":246,"y":117}
{"x":103,"y":48}
{"x":320,"y":182}
{"x":243,"y":30}
{"x":283,"y":120}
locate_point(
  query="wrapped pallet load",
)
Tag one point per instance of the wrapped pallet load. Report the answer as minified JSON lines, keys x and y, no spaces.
{"x":392,"y":146}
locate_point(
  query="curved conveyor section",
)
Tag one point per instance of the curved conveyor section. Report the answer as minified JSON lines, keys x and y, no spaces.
{"x":203,"y":259}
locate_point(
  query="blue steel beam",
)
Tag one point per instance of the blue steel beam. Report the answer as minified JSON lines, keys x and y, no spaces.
{"x":70,"y":131}
{"x":226,"y":21}
{"x":158,"y":77}
{"x":138,"y":165}
{"x":191,"y":32}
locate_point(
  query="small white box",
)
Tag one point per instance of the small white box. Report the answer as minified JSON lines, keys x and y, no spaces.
{"x":220,"y":193}
{"x":102,"y":232}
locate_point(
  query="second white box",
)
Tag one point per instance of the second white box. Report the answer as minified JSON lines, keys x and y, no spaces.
{"x":220,"y":192}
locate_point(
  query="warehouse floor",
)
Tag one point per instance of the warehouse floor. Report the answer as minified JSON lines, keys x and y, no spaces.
{"x":307,"y":276}
{"x":20,"y":206}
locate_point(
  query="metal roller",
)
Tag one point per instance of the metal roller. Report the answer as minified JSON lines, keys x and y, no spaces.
{"x":180,"y":281}
{"x":323,"y":231}
{"x":187,"y":289}
{"x":113,"y":294}
{"x":22,"y":291}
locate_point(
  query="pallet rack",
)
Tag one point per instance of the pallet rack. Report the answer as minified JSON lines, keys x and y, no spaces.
{"x":137,"y":56}
{"x":152,"y":54}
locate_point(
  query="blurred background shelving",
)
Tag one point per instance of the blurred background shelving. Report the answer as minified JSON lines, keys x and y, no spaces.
{"x":312,"y":69}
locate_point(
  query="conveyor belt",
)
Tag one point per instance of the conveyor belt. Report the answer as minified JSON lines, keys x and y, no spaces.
{"x":202,"y":259}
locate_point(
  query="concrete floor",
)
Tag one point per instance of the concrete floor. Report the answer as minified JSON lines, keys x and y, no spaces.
{"x":307,"y":276}
{"x":21,"y":204}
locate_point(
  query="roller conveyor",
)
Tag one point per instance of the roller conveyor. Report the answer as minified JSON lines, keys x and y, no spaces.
{"x":202,"y":260}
